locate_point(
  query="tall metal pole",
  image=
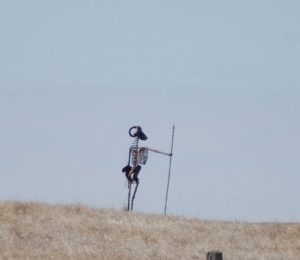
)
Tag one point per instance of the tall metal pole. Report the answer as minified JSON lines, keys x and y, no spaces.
{"x":169,"y":175}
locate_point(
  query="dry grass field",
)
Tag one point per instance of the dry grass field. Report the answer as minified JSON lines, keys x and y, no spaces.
{"x":42,"y":231}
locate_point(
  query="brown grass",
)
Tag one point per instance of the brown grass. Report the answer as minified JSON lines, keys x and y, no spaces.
{"x":41,"y":231}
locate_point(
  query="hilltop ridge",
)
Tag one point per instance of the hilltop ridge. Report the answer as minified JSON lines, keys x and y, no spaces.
{"x":44,"y":231}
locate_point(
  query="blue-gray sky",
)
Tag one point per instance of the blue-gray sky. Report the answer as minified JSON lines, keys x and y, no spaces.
{"x":75,"y":75}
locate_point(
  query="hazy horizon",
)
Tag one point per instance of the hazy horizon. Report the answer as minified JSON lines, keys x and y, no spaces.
{"x":76,"y":75}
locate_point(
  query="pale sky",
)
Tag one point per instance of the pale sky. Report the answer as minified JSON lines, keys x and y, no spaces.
{"x":76,"y":75}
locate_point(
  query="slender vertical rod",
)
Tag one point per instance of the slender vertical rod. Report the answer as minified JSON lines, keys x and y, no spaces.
{"x":129,"y":194}
{"x":169,"y":175}
{"x":133,"y":196}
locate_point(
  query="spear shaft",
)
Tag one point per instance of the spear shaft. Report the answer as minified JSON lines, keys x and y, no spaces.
{"x":169,"y":174}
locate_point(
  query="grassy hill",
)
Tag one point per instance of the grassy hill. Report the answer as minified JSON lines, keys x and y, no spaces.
{"x":42,"y":231}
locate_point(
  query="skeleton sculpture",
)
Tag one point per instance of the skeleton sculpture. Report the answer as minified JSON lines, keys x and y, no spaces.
{"x":137,"y":156}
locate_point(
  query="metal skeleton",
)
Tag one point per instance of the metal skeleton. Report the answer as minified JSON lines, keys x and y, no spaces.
{"x":137,"y":156}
